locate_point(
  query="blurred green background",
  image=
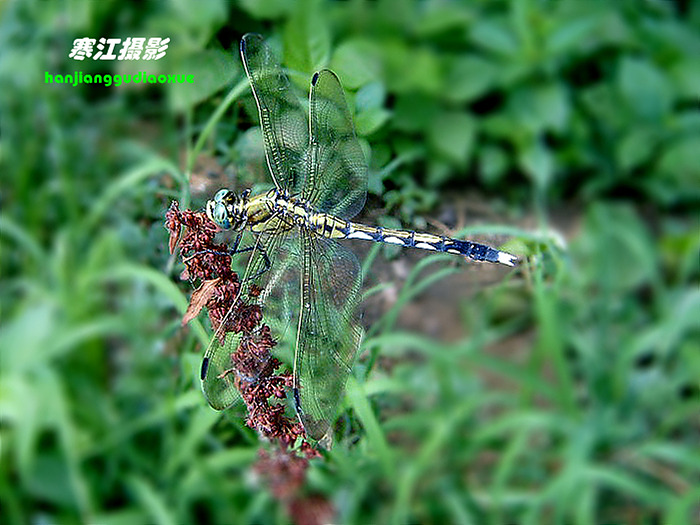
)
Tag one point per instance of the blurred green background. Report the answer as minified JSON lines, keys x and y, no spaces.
{"x":567,"y":392}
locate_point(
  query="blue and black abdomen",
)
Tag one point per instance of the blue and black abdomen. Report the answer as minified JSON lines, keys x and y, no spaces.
{"x":329,"y":226}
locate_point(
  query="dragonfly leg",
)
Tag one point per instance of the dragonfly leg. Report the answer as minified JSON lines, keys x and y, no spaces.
{"x":234,"y":249}
{"x":202,"y":252}
{"x":231,"y":251}
{"x":266,"y":261}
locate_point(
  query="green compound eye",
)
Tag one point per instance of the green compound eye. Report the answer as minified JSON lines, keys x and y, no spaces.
{"x":220,"y":214}
{"x":217,"y":209}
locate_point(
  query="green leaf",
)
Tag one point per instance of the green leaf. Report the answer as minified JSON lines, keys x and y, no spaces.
{"x":645,"y":89}
{"x":495,"y":36}
{"x":536,"y":160}
{"x":570,"y":35}
{"x":468,"y":77}
{"x":152,"y":499}
{"x":442,"y":17}
{"x":540,"y":108}
{"x":269,"y":9}
{"x":204,"y":20}
{"x":685,"y":75}
{"x":452,"y":136}
{"x":603,"y":102}
{"x":50,"y":480}
{"x":412,"y":69}
{"x":375,"y":436}
{"x":617,"y":247}
{"x":493,"y":163}
{"x":371,"y":120}
{"x":680,"y":161}
{"x":211,"y":70}
{"x":413,"y":112}
{"x":306,"y":38}
{"x":438,"y":172}
{"x":357,"y":63}
{"x":636,"y":147}
{"x":370,"y":96}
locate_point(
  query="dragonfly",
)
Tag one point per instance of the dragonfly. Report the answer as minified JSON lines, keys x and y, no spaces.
{"x":301,"y":271}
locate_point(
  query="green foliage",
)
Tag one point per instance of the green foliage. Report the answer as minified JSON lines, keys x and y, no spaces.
{"x":575,"y":396}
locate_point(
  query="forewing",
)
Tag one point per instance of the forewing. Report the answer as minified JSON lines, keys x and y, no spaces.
{"x":329,"y":331}
{"x":282,"y":118}
{"x":337,"y":170}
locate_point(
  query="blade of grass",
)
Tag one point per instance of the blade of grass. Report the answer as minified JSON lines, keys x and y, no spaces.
{"x":375,"y":436}
{"x":128,"y":181}
{"x":232,"y":96}
{"x":129,"y":272}
{"x":442,"y":431}
{"x":152,"y":501}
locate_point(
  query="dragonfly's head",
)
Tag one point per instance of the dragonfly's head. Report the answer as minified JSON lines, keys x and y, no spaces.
{"x":227,"y":210}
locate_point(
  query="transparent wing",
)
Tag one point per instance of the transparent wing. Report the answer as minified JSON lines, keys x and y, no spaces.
{"x":337,"y":170}
{"x":216,"y":375}
{"x":282,"y":119}
{"x":279,"y":296}
{"x":313,"y":287}
{"x":329,"y":331}
{"x":218,"y":378}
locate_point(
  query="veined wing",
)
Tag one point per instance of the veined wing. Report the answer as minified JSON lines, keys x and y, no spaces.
{"x":337,"y":170}
{"x":218,"y":378}
{"x":315,"y":283}
{"x":216,"y":375}
{"x":282,"y":119}
{"x":328,"y":333}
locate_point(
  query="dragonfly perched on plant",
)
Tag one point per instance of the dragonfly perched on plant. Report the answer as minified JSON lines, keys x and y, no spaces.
{"x":301,"y":274}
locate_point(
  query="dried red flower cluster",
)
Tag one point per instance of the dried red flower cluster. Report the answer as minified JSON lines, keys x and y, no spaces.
{"x":210,"y":263}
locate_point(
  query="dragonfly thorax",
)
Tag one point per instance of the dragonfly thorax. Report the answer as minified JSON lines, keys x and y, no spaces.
{"x":228,"y":210}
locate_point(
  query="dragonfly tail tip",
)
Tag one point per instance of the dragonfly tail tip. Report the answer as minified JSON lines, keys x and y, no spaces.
{"x":507,"y":259}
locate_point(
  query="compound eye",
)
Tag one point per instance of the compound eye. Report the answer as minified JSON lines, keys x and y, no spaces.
{"x":221,"y":195}
{"x":221,"y":215}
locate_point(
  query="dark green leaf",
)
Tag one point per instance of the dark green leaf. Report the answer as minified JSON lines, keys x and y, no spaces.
{"x":685,"y":75}
{"x":452,"y":136}
{"x":572,"y":35}
{"x":468,"y":77}
{"x":645,"y":89}
{"x":636,"y":147}
{"x":414,"y":112}
{"x":495,"y":36}
{"x":680,"y":162}
{"x":493,"y":163}
{"x":536,"y":160}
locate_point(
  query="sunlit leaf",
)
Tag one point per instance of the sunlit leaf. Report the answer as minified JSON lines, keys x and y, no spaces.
{"x":357,"y":63}
{"x":369,"y":121}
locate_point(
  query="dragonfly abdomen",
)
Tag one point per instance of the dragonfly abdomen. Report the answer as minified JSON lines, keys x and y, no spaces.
{"x":335,"y":228}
